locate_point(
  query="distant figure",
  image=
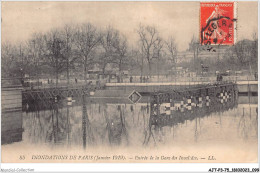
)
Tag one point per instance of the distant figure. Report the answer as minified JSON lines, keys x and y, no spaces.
{"x":76,"y":80}
{"x":147,"y":79}
{"x":22,"y":81}
{"x":144,"y":79}
{"x":98,"y":84}
{"x":219,"y":77}
{"x":256,"y":76}
{"x":131,"y":79}
{"x":118,"y":79}
{"x":48,"y":81}
{"x":141,"y":79}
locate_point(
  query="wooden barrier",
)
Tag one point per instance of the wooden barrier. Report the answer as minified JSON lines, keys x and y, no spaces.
{"x":11,"y":115}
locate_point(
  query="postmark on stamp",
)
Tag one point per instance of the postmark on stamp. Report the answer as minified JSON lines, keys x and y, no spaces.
{"x":217,"y":23}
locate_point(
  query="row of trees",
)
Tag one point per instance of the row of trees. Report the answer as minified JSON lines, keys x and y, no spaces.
{"x":243,"y":55}
{"x":79,"y":48}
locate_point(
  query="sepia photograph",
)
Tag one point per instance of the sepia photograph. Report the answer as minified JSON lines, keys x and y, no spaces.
{"x":129,"y":82}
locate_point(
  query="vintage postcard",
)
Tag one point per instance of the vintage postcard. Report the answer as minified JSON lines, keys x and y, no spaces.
{"x":129,"y":82}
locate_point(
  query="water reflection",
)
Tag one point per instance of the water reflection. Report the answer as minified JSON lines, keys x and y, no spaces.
{"x":91,"y":123}
{"x":11,"y":127}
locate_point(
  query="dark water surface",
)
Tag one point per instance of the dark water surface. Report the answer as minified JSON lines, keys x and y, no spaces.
{"x":84,"y":122}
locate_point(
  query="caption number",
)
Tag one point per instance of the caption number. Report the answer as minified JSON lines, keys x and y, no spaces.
{"x":22,"y":157}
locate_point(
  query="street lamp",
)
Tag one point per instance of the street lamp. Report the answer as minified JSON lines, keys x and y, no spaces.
{"x":21,"y":70}
{"x":196,"y":52}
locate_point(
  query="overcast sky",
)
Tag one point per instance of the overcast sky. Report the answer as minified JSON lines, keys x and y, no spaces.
{"x":179,"y":19}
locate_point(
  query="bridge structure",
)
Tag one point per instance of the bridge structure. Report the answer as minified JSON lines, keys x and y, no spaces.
{"x":56,"y":93}
{"x":144,"y":88}
{"x":110,"y":90}
{"x":21,"y":96}
{"x":168,"y":103}
{"x":45,"y":98}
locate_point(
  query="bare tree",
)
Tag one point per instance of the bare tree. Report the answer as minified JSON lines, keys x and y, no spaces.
{"x":246,"y":53}
{"x":9,"y":59}
{"x":194,"y":47}
{"x":36,"y":53}
{"x":120,"y":45}
{"x":171,"y":47}
{"x":242,"y":51}
{"x":157,"y":51}
{"x":68,"y":37}
{"x":135,"y":60}
{"x":242,"y":55}
{"x":110,"y":36}
{"x":148,"y":36}
{"x":16,"y":60}
{"x":255,"y":48}
{"x":55,"y":49}
{"x":87,"y":38}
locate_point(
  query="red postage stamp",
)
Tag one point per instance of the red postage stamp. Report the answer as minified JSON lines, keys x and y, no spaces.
{"x":217,"y":23}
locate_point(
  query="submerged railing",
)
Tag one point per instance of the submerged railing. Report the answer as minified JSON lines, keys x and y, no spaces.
{"x":177,"y":106}
{"x":169,"y":108}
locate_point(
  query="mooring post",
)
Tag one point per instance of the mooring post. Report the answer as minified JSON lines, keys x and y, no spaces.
{"x":68,"y":126}
{"x":84,"y":128}
{"x":158,"y":106}
{"x":248,"y":89}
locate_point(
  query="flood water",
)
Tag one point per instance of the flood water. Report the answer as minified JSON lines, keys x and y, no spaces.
{"x":84,"y":123}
